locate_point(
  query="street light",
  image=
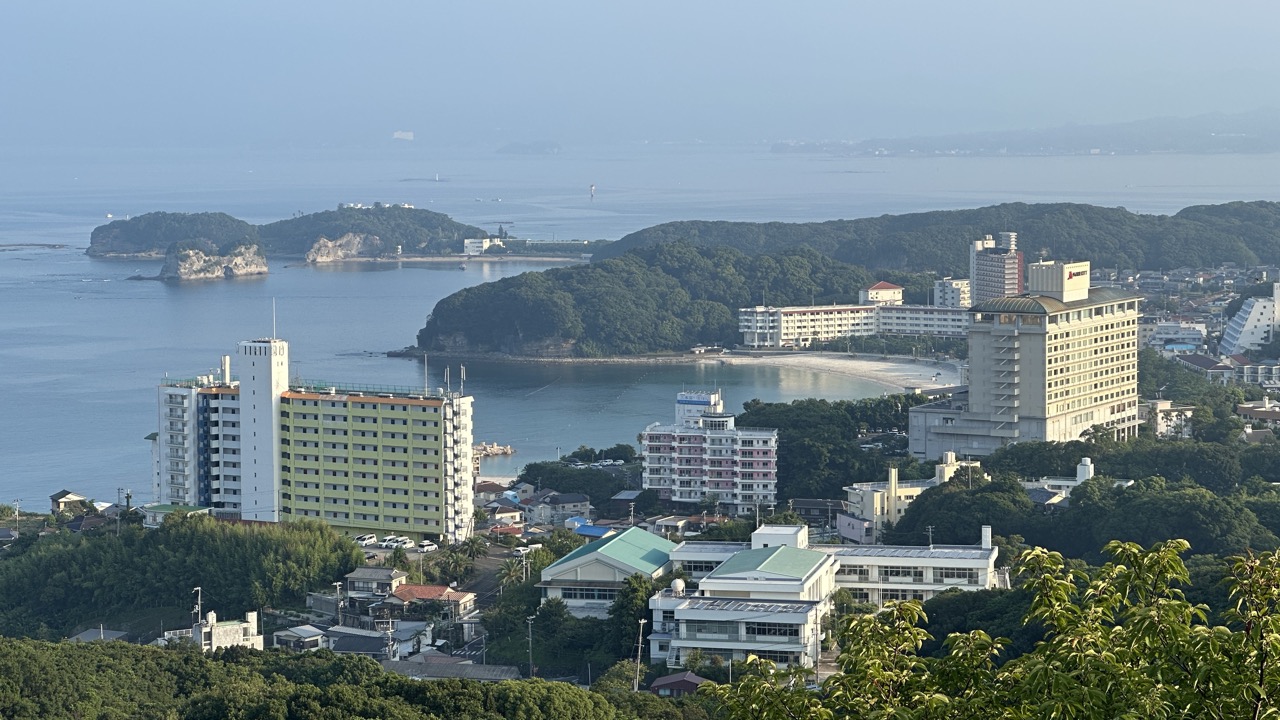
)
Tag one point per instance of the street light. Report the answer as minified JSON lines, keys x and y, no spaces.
{"x":639,"y":647}
{"x":529,"y":620}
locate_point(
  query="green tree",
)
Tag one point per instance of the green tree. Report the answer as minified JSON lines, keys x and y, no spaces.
{"x":1120,"y":641}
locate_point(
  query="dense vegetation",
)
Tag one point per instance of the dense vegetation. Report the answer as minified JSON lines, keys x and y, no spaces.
{"x":660,"y":298}
{"x":155,"y":232}
{"x":1201,"y":236}
{"x":61,"y":584}
{"x":680,"y":284}
{"x":413,"y":230}
{"x":116,"y":680}
{"x":820,"y":446}
{"x":1122,"y":641}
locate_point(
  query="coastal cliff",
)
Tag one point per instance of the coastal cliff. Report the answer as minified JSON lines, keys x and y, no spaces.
{"x":347,"y":247}
{"x":187,"y":262}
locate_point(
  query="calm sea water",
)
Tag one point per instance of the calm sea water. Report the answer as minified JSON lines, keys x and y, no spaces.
{"x":82,"y":348}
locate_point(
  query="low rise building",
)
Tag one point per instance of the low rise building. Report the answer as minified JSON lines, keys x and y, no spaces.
{"x":588,"y":579}
{"x":1167,"y":418}
{"x":213,"y":634}
{"x":1265,"y":411}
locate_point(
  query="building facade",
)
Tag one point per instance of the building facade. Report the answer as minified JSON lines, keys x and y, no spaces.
{"x":768,"y":597}
{"x":950,"y":292}
{"x":361,"y":458}
{"x":1048,"y":365}
{"x":801,"y":326}
{"x":995,"y":268}
{"x":1253,"y":325}
{"x":709,"y":458}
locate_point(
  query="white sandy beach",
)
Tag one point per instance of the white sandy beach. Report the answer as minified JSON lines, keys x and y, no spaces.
{"x":895,"y":373}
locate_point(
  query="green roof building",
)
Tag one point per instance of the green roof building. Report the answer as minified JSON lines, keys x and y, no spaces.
{"x":589,"y":578}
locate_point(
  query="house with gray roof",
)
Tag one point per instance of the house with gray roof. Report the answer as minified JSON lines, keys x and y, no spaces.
{"x":589,"y":578}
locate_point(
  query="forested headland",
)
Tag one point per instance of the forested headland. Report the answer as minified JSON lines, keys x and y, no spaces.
{"x":1246,"y":233}
{"x":680,"y":284}
{"x":413,"y":230}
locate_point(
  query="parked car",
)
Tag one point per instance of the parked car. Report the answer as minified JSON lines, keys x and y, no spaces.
{"x":427,"y":546}
{"x":366,"y":540}
{"x":395,"y":541}
{"x":522,"y":551}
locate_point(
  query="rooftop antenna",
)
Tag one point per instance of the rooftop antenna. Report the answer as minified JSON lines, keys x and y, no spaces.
{"x":462,"y":382}
{"x":447,"y":386}
{"x":426,"y":381}
{"x":273,"y":319}
{"x":199,"y":602}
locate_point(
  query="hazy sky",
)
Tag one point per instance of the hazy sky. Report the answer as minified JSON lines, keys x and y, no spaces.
{"x":244,"y":73}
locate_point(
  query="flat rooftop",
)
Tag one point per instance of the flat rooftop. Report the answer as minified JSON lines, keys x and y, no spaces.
{"x":949,"y":552}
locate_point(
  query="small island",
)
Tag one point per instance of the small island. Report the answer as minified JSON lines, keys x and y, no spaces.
{"x":348,"y":232}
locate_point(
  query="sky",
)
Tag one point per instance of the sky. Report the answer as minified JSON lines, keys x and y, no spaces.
{"x":238,"y":73}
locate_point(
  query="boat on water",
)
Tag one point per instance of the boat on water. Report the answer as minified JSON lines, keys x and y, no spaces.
{"x":462,"y":266}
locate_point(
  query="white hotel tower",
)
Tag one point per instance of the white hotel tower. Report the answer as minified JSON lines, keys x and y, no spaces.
{"x":264,"y":376}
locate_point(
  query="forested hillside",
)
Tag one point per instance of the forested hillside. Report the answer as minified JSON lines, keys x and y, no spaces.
{"x":414,"y":231}
{"x":659,"y":298}
{"x":679,"y":284}
{"x":58,"y":585}
{"x":155,"y":232}
{"x":1204,"y":235}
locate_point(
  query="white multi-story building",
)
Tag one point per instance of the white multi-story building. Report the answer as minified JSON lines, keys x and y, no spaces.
{"x":802,"y":326}
{"x":1253,"y":326}
{"x":768,"y":597}
{"x":995,"y":267}
{"x":950,"y":292}
{"x":708,"y":457}
{"x":361,"y":458}
{"x":1047,"y":365}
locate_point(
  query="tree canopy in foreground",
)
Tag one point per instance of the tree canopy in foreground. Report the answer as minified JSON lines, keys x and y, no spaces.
{"x":1122,"y":641}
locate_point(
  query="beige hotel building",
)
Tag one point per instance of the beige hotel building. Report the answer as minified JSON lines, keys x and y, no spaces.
{"x":1046,"y":365}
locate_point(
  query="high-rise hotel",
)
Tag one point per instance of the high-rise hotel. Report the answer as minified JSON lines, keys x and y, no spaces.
{"x":1050,"y":364}
{"x":362,"y":458}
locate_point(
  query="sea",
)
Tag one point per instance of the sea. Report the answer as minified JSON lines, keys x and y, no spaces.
{"x":82,"y":347}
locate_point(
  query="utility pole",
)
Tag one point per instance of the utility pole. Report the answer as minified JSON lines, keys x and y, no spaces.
{"x":337,"y":601}
{"x":929,"y":530}
{"x":199,"y":604}
{"x":529,"y":620}
{"x":639,"y":647}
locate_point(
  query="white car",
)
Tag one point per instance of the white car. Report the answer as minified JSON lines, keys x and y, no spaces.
{"x":394,"y":541}
{"x":427,"y":546}
{"x":366,"y":540}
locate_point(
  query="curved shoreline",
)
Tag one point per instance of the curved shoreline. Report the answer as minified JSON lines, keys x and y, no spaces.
{"x":894,"y":372}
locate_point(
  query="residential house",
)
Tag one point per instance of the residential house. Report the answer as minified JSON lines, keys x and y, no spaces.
{"x":548,"y":507}
{"x":66,"y":501}
{"x":374,"y":580}
{"x":301,"y":638}
{"x":677,"y":685}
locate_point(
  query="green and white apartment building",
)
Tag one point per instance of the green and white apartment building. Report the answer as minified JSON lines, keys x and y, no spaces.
{"x":362,"y":458}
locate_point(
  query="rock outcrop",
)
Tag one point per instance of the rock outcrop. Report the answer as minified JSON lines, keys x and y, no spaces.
{"x":346,"y":247}
{"x":207,"y":263}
